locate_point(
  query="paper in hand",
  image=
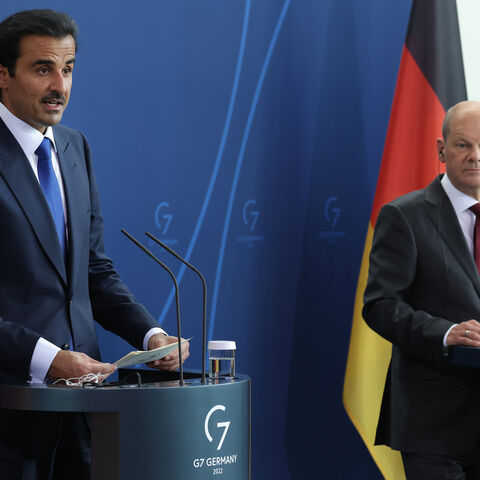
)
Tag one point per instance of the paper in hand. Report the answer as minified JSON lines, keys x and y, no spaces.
{"x":147,"y":356}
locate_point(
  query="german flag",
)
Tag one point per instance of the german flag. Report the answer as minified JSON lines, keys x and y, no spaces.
{"x":431,"y":79}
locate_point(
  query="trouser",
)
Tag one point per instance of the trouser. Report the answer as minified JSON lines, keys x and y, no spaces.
{"x":56,"y":447}
{"x":445,"y":467}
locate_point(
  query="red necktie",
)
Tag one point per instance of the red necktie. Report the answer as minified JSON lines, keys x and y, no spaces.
{"x":476,"y":234}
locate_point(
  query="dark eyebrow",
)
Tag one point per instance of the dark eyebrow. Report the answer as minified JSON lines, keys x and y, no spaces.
{"x":41,"y":61}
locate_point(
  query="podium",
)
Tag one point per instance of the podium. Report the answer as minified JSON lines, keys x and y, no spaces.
{"x":158,"y":430}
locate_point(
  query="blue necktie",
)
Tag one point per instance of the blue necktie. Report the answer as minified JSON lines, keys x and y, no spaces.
{"x":51,"y":190}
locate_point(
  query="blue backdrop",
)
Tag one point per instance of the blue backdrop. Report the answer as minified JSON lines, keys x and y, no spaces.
{"x":248,"y":135}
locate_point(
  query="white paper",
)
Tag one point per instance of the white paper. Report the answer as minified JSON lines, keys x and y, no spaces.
{"x":140,"y":356}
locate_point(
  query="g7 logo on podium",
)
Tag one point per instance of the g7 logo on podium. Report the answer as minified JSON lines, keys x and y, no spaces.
{"x":224,"y":425}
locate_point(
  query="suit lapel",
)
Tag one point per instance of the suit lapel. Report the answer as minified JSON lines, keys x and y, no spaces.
{"x":17,"y":173}
{"x":75,"y":212}
{"x":443,"y":216}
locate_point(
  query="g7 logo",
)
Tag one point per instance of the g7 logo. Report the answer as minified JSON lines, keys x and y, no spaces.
{"x":166,"y":216}
{"x":335,"y":212}
{"x":254,"y":215}
{"x":224,"y":425}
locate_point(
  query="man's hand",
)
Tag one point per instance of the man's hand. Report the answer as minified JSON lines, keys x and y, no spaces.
{"x":171,"y":361}
{"x":67,"y":364}
{"x":465,"y":333}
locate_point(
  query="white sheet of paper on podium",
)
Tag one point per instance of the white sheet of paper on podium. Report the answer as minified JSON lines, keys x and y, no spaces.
{"x":140,"y":356}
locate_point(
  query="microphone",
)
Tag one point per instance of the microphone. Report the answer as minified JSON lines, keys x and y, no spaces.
{"x":202,"y":278}
{"x":151,"y":255}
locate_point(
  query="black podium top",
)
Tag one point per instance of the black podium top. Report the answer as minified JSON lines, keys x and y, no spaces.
{"x":59,"y":397}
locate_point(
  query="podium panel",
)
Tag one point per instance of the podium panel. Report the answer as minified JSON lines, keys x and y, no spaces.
{"x":157,"y":431}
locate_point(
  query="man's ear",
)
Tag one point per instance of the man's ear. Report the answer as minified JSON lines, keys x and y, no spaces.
{"x":4,"y":76}
{"x":440,"y":149}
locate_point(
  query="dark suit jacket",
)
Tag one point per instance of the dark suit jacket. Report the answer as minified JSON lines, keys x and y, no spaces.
{"x":39,"y":294}
{"x":422,"y":279}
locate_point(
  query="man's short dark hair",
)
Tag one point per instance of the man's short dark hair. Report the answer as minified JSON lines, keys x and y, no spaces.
{"x":32,"y":22}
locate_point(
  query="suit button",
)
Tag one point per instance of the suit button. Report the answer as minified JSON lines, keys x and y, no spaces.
{"x":66,"y":347}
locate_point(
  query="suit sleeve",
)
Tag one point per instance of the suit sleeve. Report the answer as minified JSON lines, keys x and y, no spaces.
{"x":17,"y":345}
{"x":113,"y":305}
{"x":393,"y":296}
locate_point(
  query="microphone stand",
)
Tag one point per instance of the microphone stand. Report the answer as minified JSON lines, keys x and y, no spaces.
{"x":202,"y":278}
{"x":151,"y":255}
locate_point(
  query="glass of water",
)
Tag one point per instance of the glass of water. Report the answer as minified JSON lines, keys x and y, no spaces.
{"x":221,"y":354}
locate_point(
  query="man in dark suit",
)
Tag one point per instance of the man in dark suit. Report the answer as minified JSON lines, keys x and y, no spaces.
{"x":423,"y":295}
{"x":55,"y":278}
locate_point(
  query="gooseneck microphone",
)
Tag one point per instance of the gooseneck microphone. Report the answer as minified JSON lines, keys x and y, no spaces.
{"x":151,"y":255}
{"x":189,"y":265}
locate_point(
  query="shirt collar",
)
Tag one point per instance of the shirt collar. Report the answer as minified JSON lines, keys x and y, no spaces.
{"x":27,"y":137}
{"x":460,"y":201}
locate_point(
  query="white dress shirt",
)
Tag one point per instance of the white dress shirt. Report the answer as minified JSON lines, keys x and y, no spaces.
{"x":29,"y":140}
{"x":461,"y":203}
